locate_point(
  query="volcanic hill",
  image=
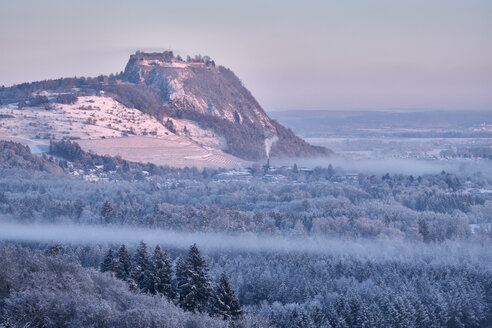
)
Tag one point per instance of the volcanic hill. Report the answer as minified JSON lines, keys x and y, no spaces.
{"x":160,"y":109}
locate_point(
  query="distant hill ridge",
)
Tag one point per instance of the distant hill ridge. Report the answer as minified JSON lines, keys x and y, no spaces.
{"x":174,"y":91}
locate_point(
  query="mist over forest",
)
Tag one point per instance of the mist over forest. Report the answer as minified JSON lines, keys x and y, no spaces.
{"x":117,"y":244}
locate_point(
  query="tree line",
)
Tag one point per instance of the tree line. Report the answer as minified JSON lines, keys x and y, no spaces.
{"x":188,"y":286}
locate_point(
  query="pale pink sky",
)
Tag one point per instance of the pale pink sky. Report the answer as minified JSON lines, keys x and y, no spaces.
{"x":324,"y":54}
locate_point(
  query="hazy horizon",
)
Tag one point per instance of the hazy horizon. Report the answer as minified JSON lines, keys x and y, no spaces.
{"x":392,"y":110}
{"x":320,"y":55}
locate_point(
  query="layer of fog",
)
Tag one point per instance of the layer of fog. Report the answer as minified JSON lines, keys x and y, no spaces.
{"x":395,"y":166}
{"x":212,"y":242}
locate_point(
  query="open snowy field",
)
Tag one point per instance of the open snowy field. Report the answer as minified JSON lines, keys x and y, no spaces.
{"x":172,"y":150}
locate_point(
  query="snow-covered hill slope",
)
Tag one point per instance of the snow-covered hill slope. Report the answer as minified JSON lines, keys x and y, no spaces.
{"x":101,"y":124}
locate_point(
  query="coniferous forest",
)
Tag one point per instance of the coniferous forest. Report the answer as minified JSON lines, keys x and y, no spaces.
{"x":291,"y":247}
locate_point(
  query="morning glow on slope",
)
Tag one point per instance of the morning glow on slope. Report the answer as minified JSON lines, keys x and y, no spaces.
{"x":103,"y":125}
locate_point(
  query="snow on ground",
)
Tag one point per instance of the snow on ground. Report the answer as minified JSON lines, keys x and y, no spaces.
{"x":172,"y":150}
{"x":191,"y":129}
{"x":105,"y":126}
{"x":92,"y":117}
{"x":178,"y":94}
{"x":157,"y":62}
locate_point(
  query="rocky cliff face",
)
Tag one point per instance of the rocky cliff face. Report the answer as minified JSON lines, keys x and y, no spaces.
{"x":216,"y":99}
{"x":200,"y":87}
